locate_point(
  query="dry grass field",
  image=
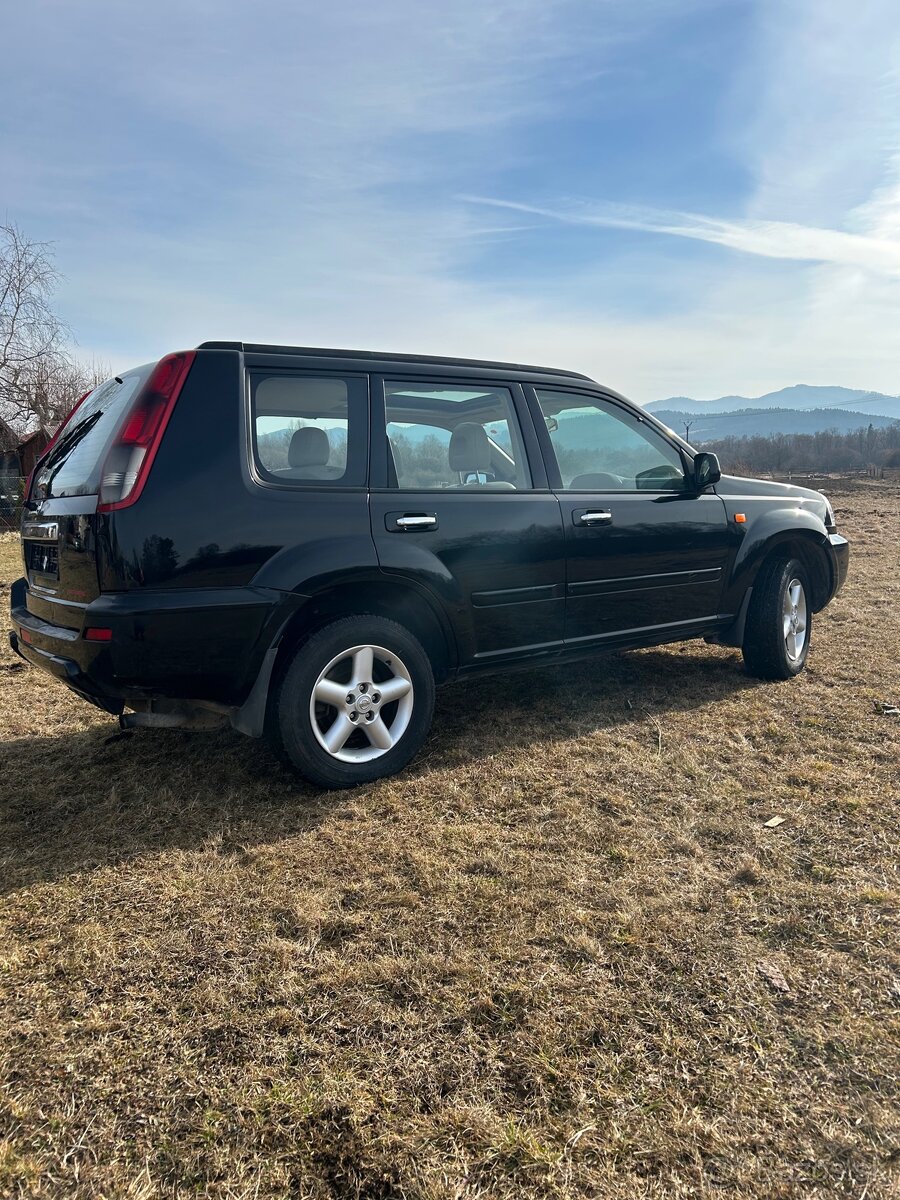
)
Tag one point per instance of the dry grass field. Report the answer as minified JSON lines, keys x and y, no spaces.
{"x":563,"y":955}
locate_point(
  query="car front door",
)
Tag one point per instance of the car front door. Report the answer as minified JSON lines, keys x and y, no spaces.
{"x":461,"y":509}
{"x":646,"y":552}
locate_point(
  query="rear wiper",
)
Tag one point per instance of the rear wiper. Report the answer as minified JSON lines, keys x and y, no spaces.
{"x":65,"y":443}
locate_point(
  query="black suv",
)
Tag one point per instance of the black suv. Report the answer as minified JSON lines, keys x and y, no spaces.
{"x":306,"y":541}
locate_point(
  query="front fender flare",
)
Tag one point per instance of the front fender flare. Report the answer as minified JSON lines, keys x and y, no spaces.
{"x":779,"y":528}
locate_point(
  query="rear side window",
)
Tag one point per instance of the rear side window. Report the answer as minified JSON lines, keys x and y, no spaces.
{"x":310,"y":429}
{"x":74,"y":464}
{"x":456,"y":437}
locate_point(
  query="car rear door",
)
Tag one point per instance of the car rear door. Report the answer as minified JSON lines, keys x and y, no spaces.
{"x":461,"y":509}
{"x":646,"y":553}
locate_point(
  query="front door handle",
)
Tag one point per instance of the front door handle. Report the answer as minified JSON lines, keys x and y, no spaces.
{"x":592,"y":516}
{"x":409,"y":522}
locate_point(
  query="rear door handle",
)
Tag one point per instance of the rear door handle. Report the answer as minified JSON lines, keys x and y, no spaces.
{"x":592,"y":516}
{"x":409,"y":522}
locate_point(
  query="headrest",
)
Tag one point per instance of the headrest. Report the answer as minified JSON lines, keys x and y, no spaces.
{"x":595,"y":481}
{"x":309,"y":448}
{"x":469,"y":448}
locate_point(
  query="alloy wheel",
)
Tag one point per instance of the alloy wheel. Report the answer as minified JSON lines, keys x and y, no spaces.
{"x":361,"y":704}
{"x":795,"y":620}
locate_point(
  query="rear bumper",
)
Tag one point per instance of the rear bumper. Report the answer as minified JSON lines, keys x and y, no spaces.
{"x":67,"y":671}
{"x":62,"y":653}
{"x":191,"y":644}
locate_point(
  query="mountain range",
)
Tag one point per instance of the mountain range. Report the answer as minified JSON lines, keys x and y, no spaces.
{"x":802,"y":408}
{"x":799,"y":409}
{"x":800,"y":396}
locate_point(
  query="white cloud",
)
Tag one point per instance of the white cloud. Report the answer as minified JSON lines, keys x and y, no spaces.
{"x":813,"y":296}
{"x":289,"y":172}
{"x":816,"y":114}
{"x":770,"y":239}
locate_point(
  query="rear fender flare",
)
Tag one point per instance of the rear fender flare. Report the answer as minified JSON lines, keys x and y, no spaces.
{"x":356,"y":591}
{"x":312,"y":565}
{"x":416,"y":567}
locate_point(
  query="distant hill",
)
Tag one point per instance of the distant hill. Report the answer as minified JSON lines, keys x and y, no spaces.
{"x":801,"y":396}
{"x":753,"y":422}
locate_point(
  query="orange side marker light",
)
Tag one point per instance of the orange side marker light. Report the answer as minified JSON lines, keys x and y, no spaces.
{"x":740,"y":518}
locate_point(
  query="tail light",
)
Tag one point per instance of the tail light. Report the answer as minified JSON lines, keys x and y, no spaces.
{"x":131,"y":456}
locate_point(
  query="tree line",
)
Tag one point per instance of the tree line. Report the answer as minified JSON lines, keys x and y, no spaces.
{"x":828,"y":450}
{"x":40,"y":379}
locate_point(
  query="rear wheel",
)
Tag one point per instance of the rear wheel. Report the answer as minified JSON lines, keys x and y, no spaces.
{"x":779,"y":623}
{"x":356,"y":702}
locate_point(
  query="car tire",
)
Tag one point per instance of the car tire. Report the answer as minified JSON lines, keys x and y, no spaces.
{"x":355,"y":703}
{"x":779,"y":621}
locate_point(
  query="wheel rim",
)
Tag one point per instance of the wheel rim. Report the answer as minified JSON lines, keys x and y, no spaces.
{"x":795,"y":620}
{"x":361,"y":704}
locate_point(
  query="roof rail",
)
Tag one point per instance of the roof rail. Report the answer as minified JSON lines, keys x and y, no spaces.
{"x":381,"y":356}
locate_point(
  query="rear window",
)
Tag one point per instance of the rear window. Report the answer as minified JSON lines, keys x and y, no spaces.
{"x":73,"y":466}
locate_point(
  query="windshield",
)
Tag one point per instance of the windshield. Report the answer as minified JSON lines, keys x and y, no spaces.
{"x":73,"y":466}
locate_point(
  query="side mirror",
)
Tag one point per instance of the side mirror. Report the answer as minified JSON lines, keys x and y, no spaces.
{"x":706,"y":470}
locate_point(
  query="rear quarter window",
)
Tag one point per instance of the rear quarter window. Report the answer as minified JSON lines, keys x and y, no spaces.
{"x":309,"y":430}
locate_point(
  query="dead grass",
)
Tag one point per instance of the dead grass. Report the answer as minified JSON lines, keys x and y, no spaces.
{"x":544,"y":962}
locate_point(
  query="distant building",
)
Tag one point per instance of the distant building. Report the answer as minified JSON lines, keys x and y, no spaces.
{"x":19,"y":454}
{"x":30,"y":449}
{"x":8,"y":439}
{"x":17,"y":459}
{"x":9,"y":476}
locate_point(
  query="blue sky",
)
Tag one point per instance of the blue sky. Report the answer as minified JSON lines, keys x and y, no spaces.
{"x":695,"y":197}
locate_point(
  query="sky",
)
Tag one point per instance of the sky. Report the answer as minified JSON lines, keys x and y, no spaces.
{"x":695,"y":197}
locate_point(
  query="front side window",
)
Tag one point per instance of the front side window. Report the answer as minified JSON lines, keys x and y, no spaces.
{"x":600,"y":447}
{"x":462,"y":437}
{"x":310,"y":428}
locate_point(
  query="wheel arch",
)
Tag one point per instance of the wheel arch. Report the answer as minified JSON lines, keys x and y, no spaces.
{"x":364,"y":596}
{"x":818,"y":569}
{"x":377,"y":597}
{"x":805,"y":542}
{"x":808,"y":550}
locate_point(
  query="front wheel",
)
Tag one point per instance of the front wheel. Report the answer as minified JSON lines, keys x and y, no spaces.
{"x":356,"y":702}
{"x":779,"y":623}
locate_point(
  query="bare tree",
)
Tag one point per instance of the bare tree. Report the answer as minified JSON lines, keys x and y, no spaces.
{"x":51,"y":387}
{"x":36,"y":373}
